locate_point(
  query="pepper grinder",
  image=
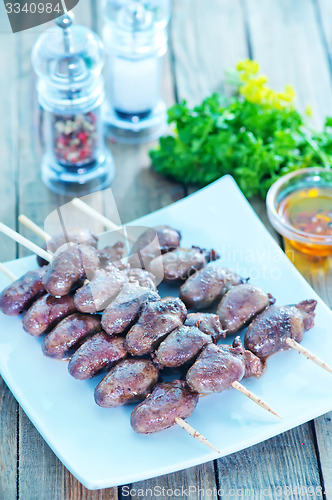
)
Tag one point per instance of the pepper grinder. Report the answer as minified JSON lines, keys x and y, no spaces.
{"x":135,"y":39}
{"x":68,"y":60}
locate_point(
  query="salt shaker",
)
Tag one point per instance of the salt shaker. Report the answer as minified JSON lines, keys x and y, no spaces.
{"x":68,"y":60}
{"x":135,"y":39}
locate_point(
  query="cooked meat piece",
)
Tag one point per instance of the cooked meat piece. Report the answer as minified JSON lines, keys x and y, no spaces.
{"x":46,"y":312}
{"x":167,"y":401}
{"x":181,"y":346}
{"x":142,"y":277}
{"x":152,"y":243}
{"x":20,"y":294}
{"x":157,"y":319}
{"x":69,"y":334}
{"x":129,"y":381}
{"x":181,"y":263}
{"x":74,"y":235}
{"x":97,"y":353}
{"x":207,"y":285}
{"x":240,"y":305}
{"x":124,"y":309}
{"x":101,"y":290}
{"x":216,"y":369}
{"x":207,"y":323}
{"x":69,"y":267}
{"x":111,"y":255}
{"x":267,"y":334}
{"x":254,"y":366}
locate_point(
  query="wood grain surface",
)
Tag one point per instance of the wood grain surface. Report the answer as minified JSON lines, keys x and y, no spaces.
{"x":292,"y":39}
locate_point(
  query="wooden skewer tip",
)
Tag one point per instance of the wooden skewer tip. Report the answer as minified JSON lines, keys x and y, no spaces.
{"x":239,"y":387}
{"x":195,"y":434}
{"x":308,"y":354}
{"x":34,"y":228}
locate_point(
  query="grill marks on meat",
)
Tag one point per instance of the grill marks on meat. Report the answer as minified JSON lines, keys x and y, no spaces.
{"x":69,"y":334}
{"x":208,"y":285}
{"x":181,"y":346}
{"x":267,"y":334}
{"x":99,"y":292}
{"x":129,"y":381}
{"x":207,"y":323}
{"x":216,"y":369}
{"x":124,"y":309}
{"x":157,"y":320}
{"x":69,"y":267}
{"x":152,"y":243}
{"x":240,"y":305}
{"x":20,"y":294}
{"x":97,"y":353}
{"x":46,"y":312}
{"x":181,"y":263}
{"x":166,"y":402}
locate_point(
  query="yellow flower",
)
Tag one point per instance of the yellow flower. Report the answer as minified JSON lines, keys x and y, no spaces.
{"x":254,"y":87}
{"x":308,"y":111}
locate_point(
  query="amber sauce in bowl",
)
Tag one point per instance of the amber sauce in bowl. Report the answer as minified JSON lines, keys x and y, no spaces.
{"x":309,"y":210}
{"x":299,"y":207}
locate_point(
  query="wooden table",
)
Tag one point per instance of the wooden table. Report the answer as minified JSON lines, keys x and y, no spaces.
{"x":292,"y":39}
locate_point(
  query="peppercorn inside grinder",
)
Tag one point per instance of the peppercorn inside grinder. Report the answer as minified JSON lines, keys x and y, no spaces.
{"x":68,"y":60}
{"x":135,"y":39}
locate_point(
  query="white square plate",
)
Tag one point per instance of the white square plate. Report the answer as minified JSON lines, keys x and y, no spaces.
{"x":98,"y":445}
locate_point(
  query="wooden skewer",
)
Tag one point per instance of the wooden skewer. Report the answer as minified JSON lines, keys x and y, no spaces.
{"x":308,"y":354}
{"x":25,"y":242}
{"x":8,"y":273}
{"x":195,"y":434}
{"x":239,"y":387}
{"x":34,"y":228}
{"x":81,"y":205}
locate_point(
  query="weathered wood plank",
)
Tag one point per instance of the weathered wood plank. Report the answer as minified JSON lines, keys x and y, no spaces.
{"x":196,"y":483}
{"x":286,"y":41}
{"x":271,"y":469}
{"x":9,"y":147}
{"x":324,"y":14}
{"x":208,"y":38}
{"x":323,"y":430}
{"x":8,"y":443}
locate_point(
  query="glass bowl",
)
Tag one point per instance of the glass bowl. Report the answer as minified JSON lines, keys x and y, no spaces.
{"x":308,"y":179}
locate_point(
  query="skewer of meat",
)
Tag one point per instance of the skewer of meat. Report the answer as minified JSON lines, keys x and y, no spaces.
{"x":220,"y":367}
{"x":134,"y":379}
{"x":282,"y":327}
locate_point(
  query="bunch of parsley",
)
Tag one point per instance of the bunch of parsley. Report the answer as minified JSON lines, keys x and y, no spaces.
{"x":248,"y":137}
